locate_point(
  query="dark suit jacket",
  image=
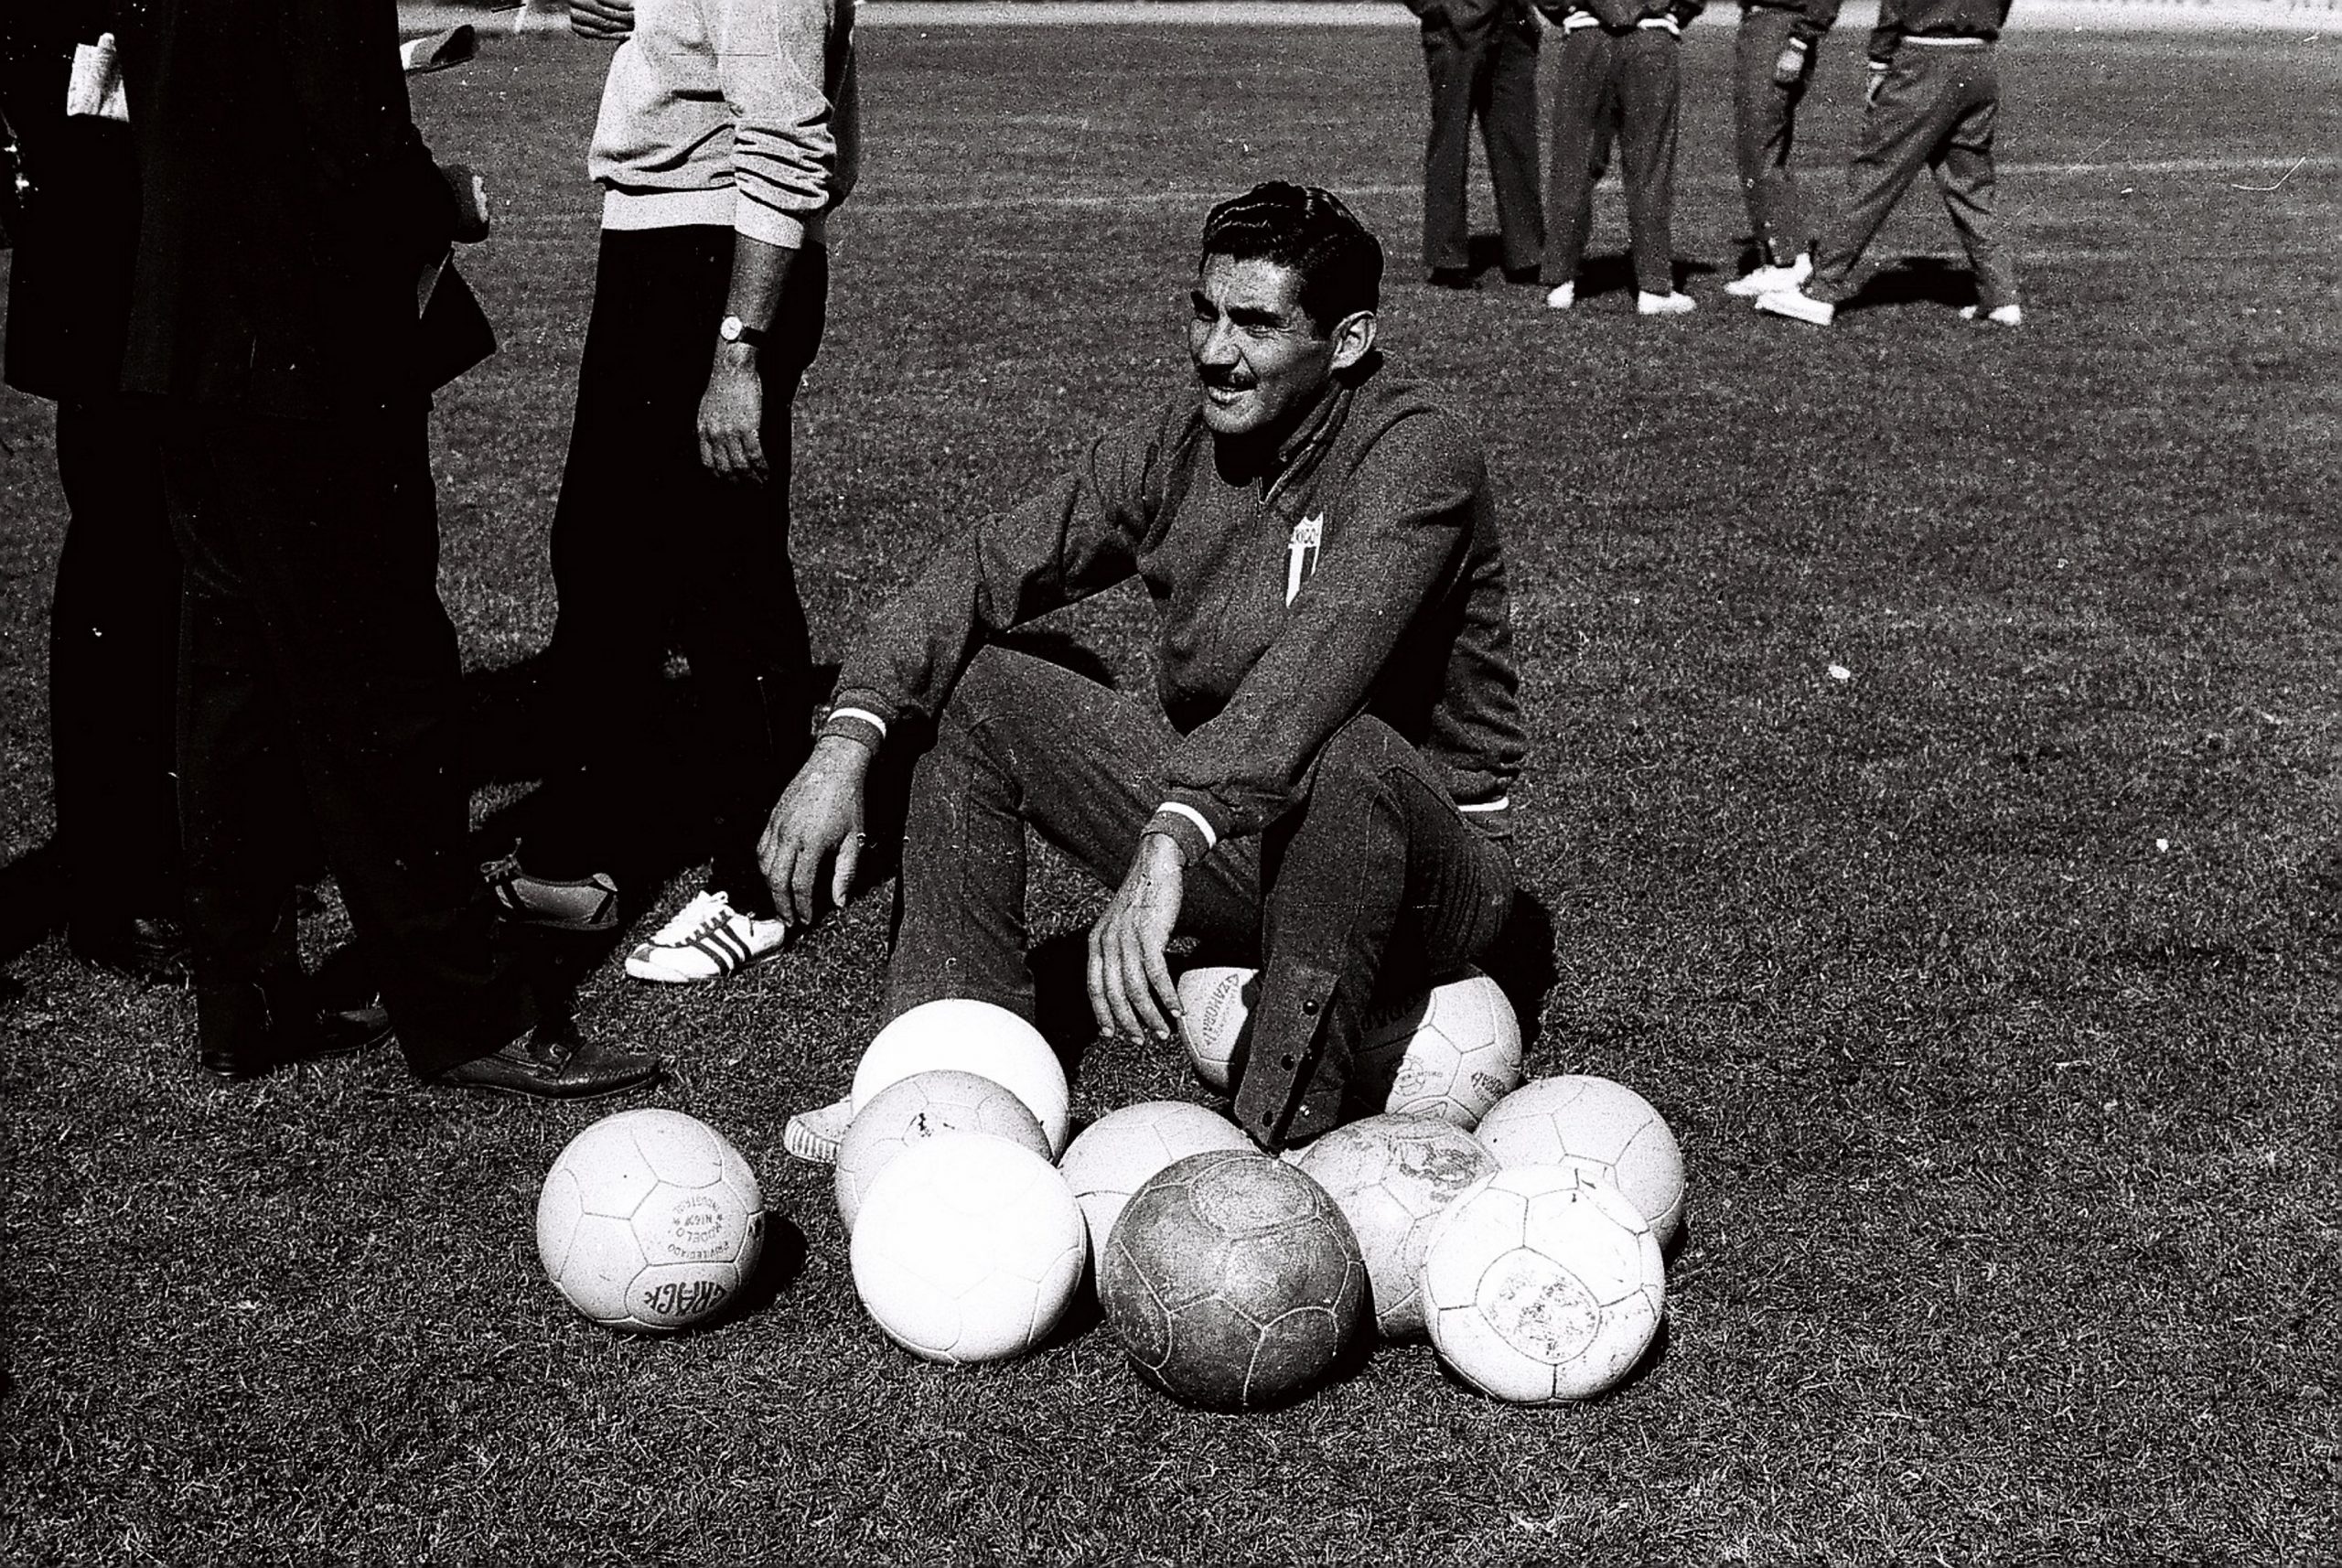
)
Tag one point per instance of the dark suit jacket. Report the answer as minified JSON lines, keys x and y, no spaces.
{"x":289,"y":206}
{"x":69,"y":286}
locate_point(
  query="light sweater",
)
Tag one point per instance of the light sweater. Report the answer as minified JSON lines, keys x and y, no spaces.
{"x":738,"y":113}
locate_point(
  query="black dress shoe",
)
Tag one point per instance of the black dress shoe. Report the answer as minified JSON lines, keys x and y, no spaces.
{"x":554,"y":1063}
{"x":249,"y":1031}
{"x":1453,"y":277}
{"x":148,"y":947}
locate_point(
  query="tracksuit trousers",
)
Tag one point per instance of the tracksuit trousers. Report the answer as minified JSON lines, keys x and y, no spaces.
{"x":1491,"y":76}
{"x":113,"y":651}
{"x":653,"y":552}
{"x":1372,"y":888}
{"x":319,"y":684}
{"x":1935,"y":111}
{"x":1764,"y":130}
{"x":1628,"y":81}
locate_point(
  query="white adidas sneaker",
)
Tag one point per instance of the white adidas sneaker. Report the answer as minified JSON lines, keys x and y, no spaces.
{"x":1771,"y":279}
{"x":706,"y":940}
{"x":1797,"y":307}
{"x":815,"y":1136}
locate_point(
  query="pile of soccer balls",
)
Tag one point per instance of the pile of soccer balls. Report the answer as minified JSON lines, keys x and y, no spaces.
{"x":1521,"y":1228}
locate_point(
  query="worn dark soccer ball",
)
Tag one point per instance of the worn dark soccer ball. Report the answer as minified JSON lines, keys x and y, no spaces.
{"x":1232,"y":1280}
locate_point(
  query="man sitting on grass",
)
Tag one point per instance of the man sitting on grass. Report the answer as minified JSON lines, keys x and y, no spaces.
{"x":1323,"y":777}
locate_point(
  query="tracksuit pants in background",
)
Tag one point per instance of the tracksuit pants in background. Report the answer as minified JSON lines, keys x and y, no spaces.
{"x":1372,"y":888}
{"x":651,"y":551}
{"x":1764,"y":130}
{"x":114,"y":655}
{"x":1489,"y":75}
{"x":320,"y":683}
{"x":1628,"y":81}
{"x":1936,"y":110}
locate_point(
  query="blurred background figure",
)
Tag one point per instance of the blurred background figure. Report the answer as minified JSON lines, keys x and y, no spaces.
{"x":1772,"y":62}
{"x":1482,"y":57}
{"x":113,"y":623}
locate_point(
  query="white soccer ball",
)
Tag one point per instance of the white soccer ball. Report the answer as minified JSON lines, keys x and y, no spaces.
{"x":1598,"y":1126}
{"x":1451,"y":1053}
{"x":969,"y":1248}
{"x":1217,"y":1002}
{"x":973,"y":1036}
{"x":1115,"y":1154}
{"x":1392,"y":1177}
{"x":649,"y":1220}
{"x":942,"y":1100}
{"x":1542,"y":1283}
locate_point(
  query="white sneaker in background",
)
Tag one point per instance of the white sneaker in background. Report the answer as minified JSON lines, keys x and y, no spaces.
{"x":1771,"y":279}
{"x":1560,"y":296}
{"x":1797,"y":307}
{"x":1675,"y":302}
{"x":2001,"y":316}
{"x":814,"y":1135}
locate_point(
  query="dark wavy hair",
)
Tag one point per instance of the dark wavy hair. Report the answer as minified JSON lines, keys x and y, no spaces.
{"x":1308,"y":231}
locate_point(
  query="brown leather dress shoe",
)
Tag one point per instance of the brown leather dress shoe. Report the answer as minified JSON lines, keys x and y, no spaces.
{"x":549,"y":1063}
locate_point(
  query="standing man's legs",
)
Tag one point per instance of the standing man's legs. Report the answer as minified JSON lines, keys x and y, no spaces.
{"x":113,"y":687}
{"x":1764,"y":121}
{"x":319,"y":670}
{"x":1648,"y":90}
{"x":1581,"y":106}
{"x":1963,"y":173}
{"x":1508,"y":110}
{"x":1376,"y":887}
{"x":1900,"y":136}
{"x":1453,"y":65}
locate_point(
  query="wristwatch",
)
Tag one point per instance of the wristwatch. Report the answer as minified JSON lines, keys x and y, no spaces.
{"x":732,"y":329}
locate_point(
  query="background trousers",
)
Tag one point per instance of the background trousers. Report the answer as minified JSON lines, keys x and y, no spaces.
{"x":651,"y":552}
{"x":1375,"y":885}
{"x":1764,"y":130}
{"x":1936,"y":110}
{"x":1490,"y":75}
{"x":320,"y":683}
{"x":1625,"y":80}
{"x":114,"y":649}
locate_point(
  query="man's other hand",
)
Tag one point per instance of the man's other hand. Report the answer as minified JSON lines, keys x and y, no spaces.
{"x":1130,"y":984}
{"x":607,"y":20}
{"x":471,"y":203}
{"x":731,"y":415}
{"x":818,"y":818}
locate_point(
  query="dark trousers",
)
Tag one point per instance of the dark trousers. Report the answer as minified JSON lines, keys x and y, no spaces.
{"x":1624,"y":81}
{"x":652,"y":553}
{"x":1764,"y":130}
{"x":1490,"y":76}
{"x":319,"y":684}
{"x":1936,"y":110}
{"x":1371,"y":888}
{"x":113,"y":651}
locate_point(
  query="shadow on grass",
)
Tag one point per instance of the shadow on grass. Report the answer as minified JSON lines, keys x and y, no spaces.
{"x":32,"y":905}
{"x":1916,"y":280}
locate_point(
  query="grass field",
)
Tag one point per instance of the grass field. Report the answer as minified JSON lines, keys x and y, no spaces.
{"x":1991,"y":988}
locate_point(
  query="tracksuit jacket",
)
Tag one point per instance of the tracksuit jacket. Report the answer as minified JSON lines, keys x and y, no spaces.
{"x":1357,"y":571}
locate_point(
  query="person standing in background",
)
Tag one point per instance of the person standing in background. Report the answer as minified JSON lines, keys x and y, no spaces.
{"x":289,"y":213}
{"x":1618,"y":72}
{"x":728,"y":135}
{"x":1772,"y":62}
{"x":1935,"y":98}
{"x":114,"y":621}
{"x":1482,"y":58}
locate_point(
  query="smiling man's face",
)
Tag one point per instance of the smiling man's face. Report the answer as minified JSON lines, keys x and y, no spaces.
{"x":1263,"y":362}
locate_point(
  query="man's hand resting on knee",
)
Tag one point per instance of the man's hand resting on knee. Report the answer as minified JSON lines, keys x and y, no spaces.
{"x":819,"y":817}
{"x":1129,"y":983}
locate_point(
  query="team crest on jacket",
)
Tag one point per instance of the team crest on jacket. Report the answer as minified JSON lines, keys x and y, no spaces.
{"x":1301,"y":555}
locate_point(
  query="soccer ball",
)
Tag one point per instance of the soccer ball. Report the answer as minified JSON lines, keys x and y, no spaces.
{"x":1451,"y":1053}
{"x":1598,"y":1126}
{"x":973,"y":1036}
{"x":1115,"y":1154}
{"x":1542,"y":1283}
{"x":1218,"y":1007}
{"x":1232,"y":1281}
{"x":918,"y":1107}
{"x":649,"y":1220}
{"x":969,"y":1248}
{"x":1392,"y":1176}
